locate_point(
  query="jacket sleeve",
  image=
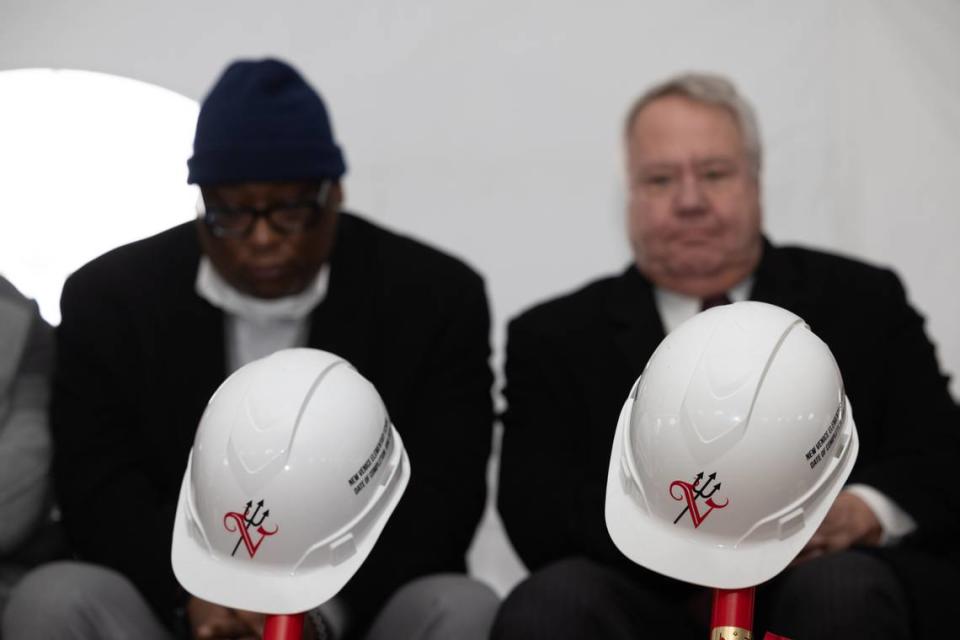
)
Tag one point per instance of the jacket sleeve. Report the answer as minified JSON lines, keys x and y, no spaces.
{"x":25,"y":447}
{"x":113,"y":511}
{"x":917,"y":421}
{"x":446,"y":428}
{"x":542,"y":492}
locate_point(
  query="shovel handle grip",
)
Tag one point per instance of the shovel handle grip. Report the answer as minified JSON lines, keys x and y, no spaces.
{"x":283,"y":627}
{"x":732,"y":617}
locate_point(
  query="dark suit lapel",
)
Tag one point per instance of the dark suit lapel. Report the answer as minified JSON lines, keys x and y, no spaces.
{"x":345,"y":322}
{"x":778,"y":282}
{"x":202,"y":348}
{"x":208,"y":342}
{"x":637,"y":329}
{"x":190,"y":335}
{"x":192,"y":329}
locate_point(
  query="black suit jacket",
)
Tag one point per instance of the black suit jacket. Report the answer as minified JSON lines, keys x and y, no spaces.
{"x":572,"y":361}
{"x":140,"y":353}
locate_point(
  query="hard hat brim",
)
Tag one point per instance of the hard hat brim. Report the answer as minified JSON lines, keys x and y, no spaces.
{"x":253,"y":588}
{"x":655,"y":545}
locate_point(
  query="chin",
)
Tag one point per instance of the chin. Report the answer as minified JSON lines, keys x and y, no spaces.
{"x":268,"y":290}
{"x":698,"y":264}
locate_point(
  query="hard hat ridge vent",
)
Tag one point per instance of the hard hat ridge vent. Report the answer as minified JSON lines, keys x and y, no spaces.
{"x":766,"y":367}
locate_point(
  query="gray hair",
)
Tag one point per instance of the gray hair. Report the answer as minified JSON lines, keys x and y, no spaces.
{"x":708,"y":89}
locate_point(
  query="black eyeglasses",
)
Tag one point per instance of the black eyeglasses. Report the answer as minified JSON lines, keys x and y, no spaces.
{"x":287,"y":219}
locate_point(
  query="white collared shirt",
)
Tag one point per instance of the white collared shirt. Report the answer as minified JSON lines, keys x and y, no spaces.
{"x":675,"y":308}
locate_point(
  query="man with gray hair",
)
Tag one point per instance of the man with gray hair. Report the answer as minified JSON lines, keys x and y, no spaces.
{"x":883,"y":558}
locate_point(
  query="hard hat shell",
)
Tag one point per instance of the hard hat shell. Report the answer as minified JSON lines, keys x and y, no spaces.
{"x":294,"y":471}
{"x":730,"y":449}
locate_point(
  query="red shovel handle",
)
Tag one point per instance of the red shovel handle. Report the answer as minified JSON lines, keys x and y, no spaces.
{"x":732,"y":617}
{"x":283,"y":627}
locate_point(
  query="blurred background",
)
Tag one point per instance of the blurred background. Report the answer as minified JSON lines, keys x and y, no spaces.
{"x":492,"y":129}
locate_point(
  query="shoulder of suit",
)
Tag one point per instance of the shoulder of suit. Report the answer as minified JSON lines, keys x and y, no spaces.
{"x":166,"y":257}
{"x":11,"y":294}
{"x":402,"y":257}
{"x":568,"y":312}
{"x":835,"y":270}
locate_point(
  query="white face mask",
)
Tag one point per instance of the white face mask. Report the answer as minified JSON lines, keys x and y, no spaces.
{"x":214,"y":289}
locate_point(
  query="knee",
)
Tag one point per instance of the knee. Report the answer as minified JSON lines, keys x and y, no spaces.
{"x":550,"y":600}
{"x":557,"y":587}
{"x":450,"y":592}
{"x":45,"y":596}
{"x":851,"y":591}
{"x":49,"y":588}
{"x":854,"y":579}
{"x":56,"y":597}
{"x":438,"y":606}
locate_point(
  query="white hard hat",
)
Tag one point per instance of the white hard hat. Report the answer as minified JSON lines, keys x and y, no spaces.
{"x":293,"y":474}
{"x":730,"y":449}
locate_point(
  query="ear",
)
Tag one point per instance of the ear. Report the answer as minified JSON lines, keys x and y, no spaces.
{"x":204,"y":236}
{"x":336,"y":194}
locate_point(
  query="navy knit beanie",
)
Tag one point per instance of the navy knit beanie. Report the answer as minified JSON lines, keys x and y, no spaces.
{"x":262,"y":122}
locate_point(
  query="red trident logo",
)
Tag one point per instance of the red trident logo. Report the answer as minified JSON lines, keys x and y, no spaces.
{"x":691,"y":492}
{"x":242,"y":522}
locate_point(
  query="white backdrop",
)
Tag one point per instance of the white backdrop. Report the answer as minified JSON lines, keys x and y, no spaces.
{"x":491,"y":128}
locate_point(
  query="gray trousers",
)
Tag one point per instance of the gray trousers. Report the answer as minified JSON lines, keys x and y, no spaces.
{"x":78,"y":601}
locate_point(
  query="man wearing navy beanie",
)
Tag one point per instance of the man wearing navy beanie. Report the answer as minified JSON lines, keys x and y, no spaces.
{"x":150,"y":330}
{"x":263,"y":122}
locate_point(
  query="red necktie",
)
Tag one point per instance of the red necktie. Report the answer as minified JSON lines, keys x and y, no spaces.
{"x":714,"y":301}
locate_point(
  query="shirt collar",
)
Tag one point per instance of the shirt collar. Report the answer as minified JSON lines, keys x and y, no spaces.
{"x":214,"y":289}
{"x":676,"y":308}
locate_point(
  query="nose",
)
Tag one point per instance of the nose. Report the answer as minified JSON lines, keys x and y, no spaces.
{"x":262,"y":234}
{"x":690,"y":197}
